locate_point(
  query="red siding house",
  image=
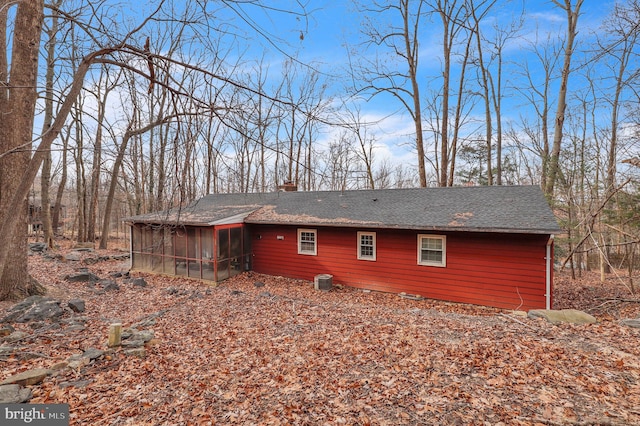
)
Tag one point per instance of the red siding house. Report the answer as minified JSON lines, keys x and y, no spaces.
{"x":489,"y":245}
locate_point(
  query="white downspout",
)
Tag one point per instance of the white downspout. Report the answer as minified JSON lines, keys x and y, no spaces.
{"x":548,"y":271}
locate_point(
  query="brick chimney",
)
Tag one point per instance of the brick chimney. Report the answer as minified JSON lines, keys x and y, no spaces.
{"x":288,"y":186}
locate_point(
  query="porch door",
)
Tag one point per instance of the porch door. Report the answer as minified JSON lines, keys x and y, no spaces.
{"x":229,"y":258}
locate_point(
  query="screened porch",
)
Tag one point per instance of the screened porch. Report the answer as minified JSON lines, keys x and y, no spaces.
{"x":212,"y":253}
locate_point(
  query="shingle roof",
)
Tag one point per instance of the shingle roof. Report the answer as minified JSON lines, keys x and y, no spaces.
{"x":522,"y":209}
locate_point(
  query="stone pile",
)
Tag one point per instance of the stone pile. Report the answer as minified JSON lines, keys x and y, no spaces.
{"x":43,"y":314}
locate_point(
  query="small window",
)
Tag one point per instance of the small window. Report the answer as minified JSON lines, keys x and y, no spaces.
{"x":432,"y":250}
{"x":307,"y":243}
{"x":367,"y":245}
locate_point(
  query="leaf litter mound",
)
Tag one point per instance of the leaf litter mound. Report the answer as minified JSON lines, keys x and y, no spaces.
{"x":284,"y":353}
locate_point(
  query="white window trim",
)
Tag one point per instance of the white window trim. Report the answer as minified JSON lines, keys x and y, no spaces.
{"x":315,"y":242}
{"x":442,"y":264}
{"x":360,"y":256}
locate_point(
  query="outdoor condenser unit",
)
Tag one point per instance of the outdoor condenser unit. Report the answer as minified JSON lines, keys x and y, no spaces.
{"x":323,"y":282}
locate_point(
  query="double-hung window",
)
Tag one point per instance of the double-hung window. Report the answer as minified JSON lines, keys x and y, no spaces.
{"x":307,"y":241}
{"x":366,"y":245}
{"x":432,"y":250}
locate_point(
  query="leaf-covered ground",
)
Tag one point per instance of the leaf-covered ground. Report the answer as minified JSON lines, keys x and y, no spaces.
{"x":284,"y":353}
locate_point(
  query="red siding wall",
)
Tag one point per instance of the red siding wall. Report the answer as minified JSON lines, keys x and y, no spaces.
{"x":501,"y":270}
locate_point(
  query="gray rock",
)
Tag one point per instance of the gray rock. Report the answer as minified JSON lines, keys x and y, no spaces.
{"x":53,"y":256}
{"x":110,"y":286}
{"x":16,"y":336}
{"x":82,"y":277}
{"x":139,"y":352}
{"x":59,"y":366}
{"x":46,"y":309}
{"x":635,"y":323}
{"x":77,"y":305}
{"x":132,"y":343}
{"x":148,"y":321}
{"x":14,"y":394}
{"x":6,"y":330}
{"x":126,"y":333}
{"x":7,"y":350}
{"x":139,"y":282}
{"x":573,"y":316}
{"x":196,"y":295}
{"x":29,"y":377}
{"x":34,"y":308}
{"x":29,"y":355}
{"x":76,"y":384}
{"x":78,"y":363}
{"x":144,"y":335}
{"x":74,"y":320}
{"x":74,"y":256}
{"x":38,"y":247}
{"x":258,"y":284}
{"x":92,"y":353}
{"x":18,"y":309}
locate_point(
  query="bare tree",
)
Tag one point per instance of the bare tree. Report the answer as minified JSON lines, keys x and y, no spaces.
{"x":394,"y":71}
{"x":45,"y":176}
{"x":477,"y":11}
{"x":453,"y":15}
{"x":17,"y":104}
{"x":502,"y":36}
{"x":623,"y":29}
{"x":102,"y":94}
{"x":572,"y":12}
{"x":17,"y":98}
{"x":359,"y":131}
{"x":537,"y":92}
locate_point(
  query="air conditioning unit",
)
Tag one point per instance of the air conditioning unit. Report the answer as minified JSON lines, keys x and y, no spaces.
{"x":323,"y":282}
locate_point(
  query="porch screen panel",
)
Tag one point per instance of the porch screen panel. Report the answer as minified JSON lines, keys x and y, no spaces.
{"x":180,"y":247}
{"x":193,"y":252}
{"x":136,"y":247}
{"x":222,"y":264}
{"x":235,"y":251}
{"x":206,"y":244}
{"x":157,"y":248}
{"x":208,"y":271}
{"x":146,"y":234}
{"x":168,"y":257}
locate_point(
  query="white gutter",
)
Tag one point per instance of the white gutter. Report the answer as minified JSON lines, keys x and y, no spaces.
{"x":549,"y":259}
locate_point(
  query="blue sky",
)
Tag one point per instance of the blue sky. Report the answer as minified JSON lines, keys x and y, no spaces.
{"x":331,"y":24}
{"x":320,"y":39}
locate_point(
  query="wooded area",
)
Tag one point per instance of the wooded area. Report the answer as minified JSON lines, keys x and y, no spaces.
{"x":122,"y":112}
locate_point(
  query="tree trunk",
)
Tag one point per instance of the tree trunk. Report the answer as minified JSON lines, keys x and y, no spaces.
{"x":554,"y":161}
{"x":96,"y":166}
{"x":444,"y":126}
{"x":104,"y":237}
{"x":13,"y":238}
{"x":17,"y":104}
{"x":57,"y":208}
{"x":45,"y":176}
